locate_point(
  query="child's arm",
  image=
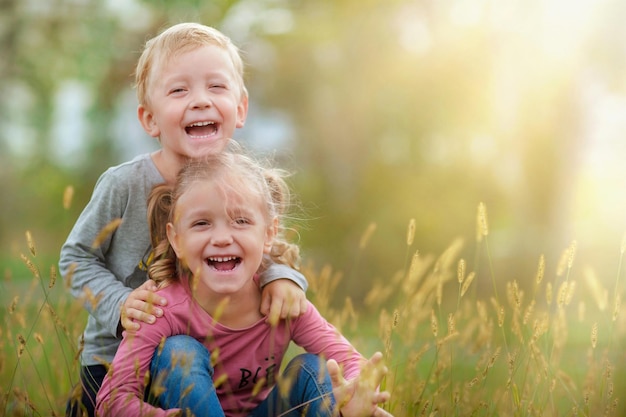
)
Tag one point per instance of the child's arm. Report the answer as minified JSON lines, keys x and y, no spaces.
{"x":283,"y":292}
{"x":101,"y":255}
{"x":360,"y":396}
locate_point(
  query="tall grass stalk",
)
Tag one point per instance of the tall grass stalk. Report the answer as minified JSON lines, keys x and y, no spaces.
{"x":548,"y":348}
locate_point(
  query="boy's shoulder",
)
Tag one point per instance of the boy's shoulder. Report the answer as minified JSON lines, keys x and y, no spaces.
{"x":140,"y":172}
{"x":141,"y":164}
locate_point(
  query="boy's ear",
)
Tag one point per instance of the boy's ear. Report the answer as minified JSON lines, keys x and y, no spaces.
{"x":242,"y":111}
{"x":148,"y":122}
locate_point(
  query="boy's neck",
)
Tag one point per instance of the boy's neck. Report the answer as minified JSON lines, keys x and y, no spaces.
{"x":168,"y":167}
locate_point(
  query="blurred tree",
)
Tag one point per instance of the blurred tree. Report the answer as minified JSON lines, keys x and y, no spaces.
{"x":394,"y":109}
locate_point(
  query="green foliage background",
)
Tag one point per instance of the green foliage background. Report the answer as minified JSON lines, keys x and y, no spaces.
{"x":385,"y":110}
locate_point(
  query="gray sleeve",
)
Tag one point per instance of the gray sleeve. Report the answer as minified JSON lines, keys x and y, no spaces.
{"x":91,"y":280}
{"x":279,"y":271}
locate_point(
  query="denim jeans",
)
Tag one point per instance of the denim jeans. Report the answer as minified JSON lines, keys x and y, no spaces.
{"x":182,"y":371}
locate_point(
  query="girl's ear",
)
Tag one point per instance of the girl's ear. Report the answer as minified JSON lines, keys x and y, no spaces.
{"x":172,"y":237}
{"x":270,"y":234}
{"x":148,"y":122}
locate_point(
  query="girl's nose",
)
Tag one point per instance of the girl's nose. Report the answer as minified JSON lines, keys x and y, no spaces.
{"x":222,"y":236}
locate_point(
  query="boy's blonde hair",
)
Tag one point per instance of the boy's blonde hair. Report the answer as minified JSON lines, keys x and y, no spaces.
{"x":177,"y":39}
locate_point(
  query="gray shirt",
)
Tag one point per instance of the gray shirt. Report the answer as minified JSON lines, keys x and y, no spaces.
{"x":103,"y":274}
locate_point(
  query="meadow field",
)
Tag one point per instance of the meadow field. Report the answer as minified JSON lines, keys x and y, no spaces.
{"x":457,"y":341}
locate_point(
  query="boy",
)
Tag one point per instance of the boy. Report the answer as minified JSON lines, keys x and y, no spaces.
{"x":191,"y":94}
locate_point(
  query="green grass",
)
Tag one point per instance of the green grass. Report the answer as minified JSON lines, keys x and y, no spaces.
{"x":501,"y":349}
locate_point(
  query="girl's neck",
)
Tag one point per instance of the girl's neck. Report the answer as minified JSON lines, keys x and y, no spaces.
{"x":236,"y":311}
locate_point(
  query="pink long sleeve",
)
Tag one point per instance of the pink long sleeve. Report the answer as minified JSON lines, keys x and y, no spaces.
{"x":245,"y":355}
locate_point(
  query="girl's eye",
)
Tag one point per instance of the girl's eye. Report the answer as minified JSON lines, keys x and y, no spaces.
{"x":242,"y":221}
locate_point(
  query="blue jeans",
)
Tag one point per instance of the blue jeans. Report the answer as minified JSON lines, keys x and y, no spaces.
{"x":183,"y":373}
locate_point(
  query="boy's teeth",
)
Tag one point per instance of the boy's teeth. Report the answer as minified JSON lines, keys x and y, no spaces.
{"x":200,"y":124}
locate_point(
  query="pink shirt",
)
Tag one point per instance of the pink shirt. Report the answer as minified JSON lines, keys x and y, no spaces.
{"x":245,"y":355}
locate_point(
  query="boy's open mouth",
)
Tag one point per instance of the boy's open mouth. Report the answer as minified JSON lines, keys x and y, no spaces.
{"x":224,"y":263}
{"x":200,"y":129}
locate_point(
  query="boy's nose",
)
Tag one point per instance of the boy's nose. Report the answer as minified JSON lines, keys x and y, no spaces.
{"x":200,"y":100}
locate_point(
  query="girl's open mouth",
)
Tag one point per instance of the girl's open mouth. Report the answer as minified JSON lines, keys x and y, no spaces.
{"x":227,"y":263}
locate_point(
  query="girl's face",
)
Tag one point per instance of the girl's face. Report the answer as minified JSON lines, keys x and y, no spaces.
{"x":221,"y":237}
{"x":194,"y":103}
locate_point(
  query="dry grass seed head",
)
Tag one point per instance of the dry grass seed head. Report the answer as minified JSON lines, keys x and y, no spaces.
{"x":460,"y":274}
{"x":571,"y":253}
{"x":434,"y":323}
{"x":599,"y":293}
{"x":29,"y":264}
{"x":53,"y":276}
{"x":410,"y":234}
{"x":467,"y":283}
{"x":451,"y":324}
{"x":616,"y":306}
{"x":482,"y":228}
{"x":21,"y":345}
{"x":105,"y":233}
{"x":68,"y":195}
{"x":528,"y":312}
{"x":13,"y":305}
{"x":365,"y":238}
{"x":541,"y":270}
{"x":31,"y":243}
{"x":417,"y":270}
{"x":379,"y":293}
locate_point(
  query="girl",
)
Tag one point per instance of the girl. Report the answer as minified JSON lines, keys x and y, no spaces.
{"x":213,"y":231}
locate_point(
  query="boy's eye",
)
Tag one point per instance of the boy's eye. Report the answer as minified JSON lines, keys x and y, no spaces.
{"x":177,"y":90}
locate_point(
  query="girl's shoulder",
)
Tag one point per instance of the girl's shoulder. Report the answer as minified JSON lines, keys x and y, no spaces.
{"x":177,"y":296}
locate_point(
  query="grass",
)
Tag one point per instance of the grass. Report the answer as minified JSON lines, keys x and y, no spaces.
{"x":457,"y":342}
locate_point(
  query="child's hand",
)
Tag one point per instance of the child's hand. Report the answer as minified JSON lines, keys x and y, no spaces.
{"x":283,"y":299}
{"x":360,"y":397}
{"x":141,"y":305}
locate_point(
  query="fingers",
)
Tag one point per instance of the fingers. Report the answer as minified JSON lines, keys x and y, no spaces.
{"x":374,"y":369}
{"x":149,"y":285}
{"x":142,"y":305}
{"x":334,"y":372}
{"x":265,"y":303}
{"x":277,"y":308}
{"x":379,"y":412}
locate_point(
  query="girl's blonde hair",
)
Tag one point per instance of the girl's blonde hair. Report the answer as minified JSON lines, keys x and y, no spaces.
{"x":236,"y":174}
{"x":180,"y":38}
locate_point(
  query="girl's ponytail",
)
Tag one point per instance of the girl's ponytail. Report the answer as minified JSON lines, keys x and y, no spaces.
{"x":163,"y":265}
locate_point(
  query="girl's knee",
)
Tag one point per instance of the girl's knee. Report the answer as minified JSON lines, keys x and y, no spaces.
{"x":309,"y":364}
{"x":181,"y":348}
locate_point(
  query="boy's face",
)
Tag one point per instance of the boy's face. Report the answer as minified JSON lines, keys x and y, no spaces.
{"x":194,"y":103}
